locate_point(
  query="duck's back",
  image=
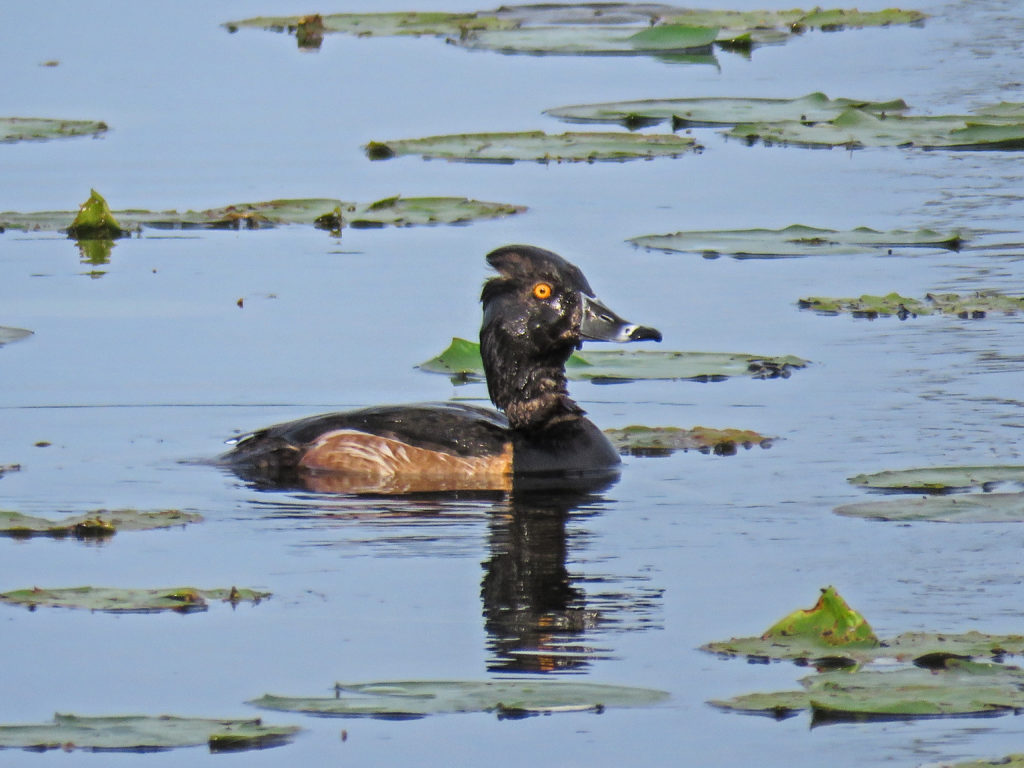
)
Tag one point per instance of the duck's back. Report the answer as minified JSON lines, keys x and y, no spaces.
{"x":386,"y":449}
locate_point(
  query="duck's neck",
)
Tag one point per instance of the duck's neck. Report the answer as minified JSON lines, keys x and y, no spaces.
{"x":530,"y":388}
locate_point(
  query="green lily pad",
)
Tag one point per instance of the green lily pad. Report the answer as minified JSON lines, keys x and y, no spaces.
{"x":830,"y":623}
{"x":40,"y":128}
{"x":536,"y":146}
{"x":856,"y":128}
{"x":795,"y":240}
{"x":432,"y":697}
{"x":97,"y":524}
{"x":180,"y":599}
{"x":717,"y":111}
{"x":462,"y":360}
{"x":939,"y":479}
{"x":95,"y":221}
{"x":952,"y":688}
{"x":662,"y":441}
{"x":324,"y":213}
{"x":959,"y":508}
{"x":142,"y":733}
{"x":8,"y":335}
{"x":1009,"y":761}
{"x":836,"y":19}
{"x":592,"y":40}
{"x":387,"y":24}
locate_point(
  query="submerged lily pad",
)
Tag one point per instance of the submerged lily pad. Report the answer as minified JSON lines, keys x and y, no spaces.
{"x":462,"y":359}
{"x":536,"y":146}
{"x":950,"y":688}
{"x":940,"y":479}
{"x":960,"y":508}
{"x":856,"y":128}
{"x":7,"y":335}
{"x":324,"y":213}
{"x":42,"y":128}
{"x":143,"y":733}
{"x":419,"y":698}
{"x":111,"y":600}
{"x":716,"y":111}
{"x":662,"y":441}
{"x":795,"y":240}
{"x":97,"y":524}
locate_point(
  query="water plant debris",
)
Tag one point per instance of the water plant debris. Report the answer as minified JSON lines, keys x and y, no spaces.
{"x":42,"y":128}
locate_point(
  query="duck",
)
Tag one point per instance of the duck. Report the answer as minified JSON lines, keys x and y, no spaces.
{"x":537,"y":310}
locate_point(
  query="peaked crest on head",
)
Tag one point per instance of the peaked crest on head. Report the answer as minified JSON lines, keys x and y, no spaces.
{"x":527,"y":262}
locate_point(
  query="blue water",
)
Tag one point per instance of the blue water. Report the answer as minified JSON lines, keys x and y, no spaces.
{"x":152,"y":363}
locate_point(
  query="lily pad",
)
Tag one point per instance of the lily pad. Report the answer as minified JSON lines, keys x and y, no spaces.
{"x":142,"y":733}
{"x":591,"y":28}
{"x":940,"y":479}
{"x":662,"y":441}
{"x":972,"y":306}
{"x":1009,"y":761}
{"x":954,"y":687}
{"x":462,"y":360}
{"x":180,"y":599}
{"x":41,"y":128}
{"x":8,"y":335}
{"x":98,"y":524}
{"x":95,"y":221}
{"x":960,"y":508}
{"x":832,"y":634}
{"x":717,"y":111}
{"x":795,"y":240}
{"x":856,"y":129}
{"x":593,"y":40}
{"x":508,"y":697}
{"x":324,"y":213}
{"x":537,"y":146}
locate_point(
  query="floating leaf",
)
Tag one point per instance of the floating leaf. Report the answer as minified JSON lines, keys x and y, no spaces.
{"x":715,"y":111}
{"x":855,"y":129}
{"x":432,"y":697}
{"x":96,"y":524}
{"x":1009,"y":761}
{"x":7,"y":335}
{"x":536,"y":146}
{"x":141,"y":733}
{"x":95,"y":221}
{"x":961,"y":508}
{"x":830,"y":623}
{"x":953,"y":687}
{"x":380,"y":24}
{"x":973,"y":306}
{"x":592,"y":40}
{"x":662,"y":441}
{"x":836,"y":19}
{"x":41,"y":128}
{"x":795,"y":240}
{"x":181,"y":599}
{"x":462,"y":359}
{"x":323,"y":213}
{"x":939,"y":479}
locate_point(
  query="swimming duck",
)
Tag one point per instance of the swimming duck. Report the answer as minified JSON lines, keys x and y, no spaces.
{"x":536,"y":311}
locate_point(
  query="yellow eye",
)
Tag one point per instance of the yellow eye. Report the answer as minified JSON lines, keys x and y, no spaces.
{"x":542,"y":291}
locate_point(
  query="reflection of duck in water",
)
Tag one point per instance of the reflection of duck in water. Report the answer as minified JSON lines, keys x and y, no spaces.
{"x":536,"y":312}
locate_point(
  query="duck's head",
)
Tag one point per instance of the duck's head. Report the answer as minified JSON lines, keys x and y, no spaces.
{"x":536,"y":312}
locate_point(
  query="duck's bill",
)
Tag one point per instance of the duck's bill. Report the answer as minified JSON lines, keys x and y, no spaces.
{"x":601,"y":324}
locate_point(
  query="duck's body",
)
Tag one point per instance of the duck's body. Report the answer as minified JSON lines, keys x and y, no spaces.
{"x":536,"y":312}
